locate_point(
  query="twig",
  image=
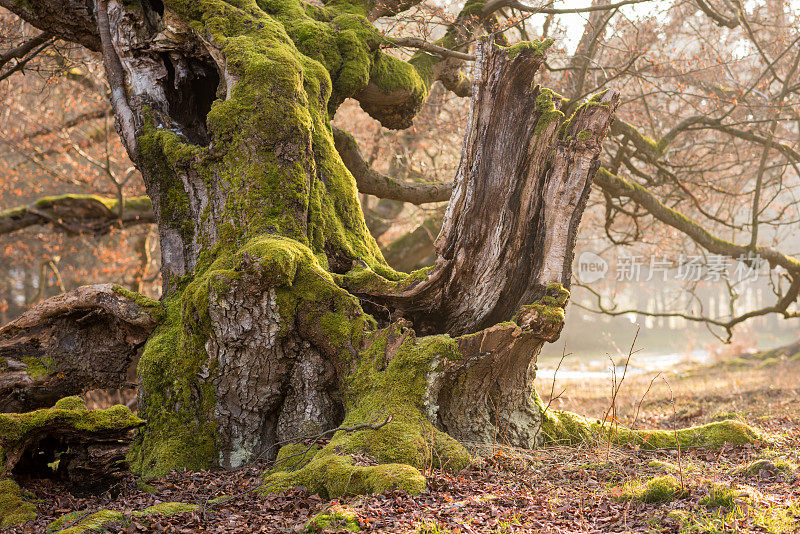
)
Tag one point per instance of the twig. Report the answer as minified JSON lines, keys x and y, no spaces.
{"x":552,"y":389}
{"x":675,"y":432}
{"x":363,"y":426}
{"x":612,"y":408}
{"x":639,"y":406}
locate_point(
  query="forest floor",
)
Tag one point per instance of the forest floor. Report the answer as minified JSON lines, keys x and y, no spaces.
{"x":590,"y":488}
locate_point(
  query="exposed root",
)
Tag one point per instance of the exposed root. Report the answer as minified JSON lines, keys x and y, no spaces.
{"x":390,"y":379}
{"x":568,"y":427}
{"x":81,"y":521}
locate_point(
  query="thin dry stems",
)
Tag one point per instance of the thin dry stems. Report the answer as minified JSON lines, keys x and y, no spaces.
{"x":675,"y":432}
{"x":551,"y":398}
{"x":615,"y":387}
{"x":639,"y":405}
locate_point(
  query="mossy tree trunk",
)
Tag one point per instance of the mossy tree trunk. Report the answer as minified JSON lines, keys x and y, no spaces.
{"x":282,"y":318}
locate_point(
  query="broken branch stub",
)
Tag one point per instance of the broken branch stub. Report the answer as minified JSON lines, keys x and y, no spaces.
{"x":66,"y":345}
{"x":518,"y":197}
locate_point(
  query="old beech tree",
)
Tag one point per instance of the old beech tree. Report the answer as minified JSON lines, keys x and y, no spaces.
{"x":280,"y":318}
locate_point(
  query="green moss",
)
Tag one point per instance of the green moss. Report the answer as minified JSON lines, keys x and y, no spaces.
{"x":718,"y":521}
{"x":153,"y":307}
{"x":720,"y":496}
{"x":14,"y":427}
{"x":177,"y":373}
{"x":659,"y":489}
{"x":273,"y":153}
{"x":536,"y":48}
{"x":667,"y":467}
{"x":145,"y":487}
{"x":294,"y":456}
{"x":276,"y":155}
{"x":69,"y":518}
{"x":778,"y":467}
{"x":38,"y":367}
{"x":549,"y":113}
{"x":112,"y":204}
{"x":428,"y":527}
{"x":337,"y":518}
{"x":567,"y":427}
{"x":14,"y":509}
{"x":549,"y":308}
{"x":71,"y":403}
{"x":564,"y":130}
{"x":93,"y":522}
{"x":778,"y":519}
{"x":167,"y":509}
{"x":727,"y":416}
{"x":179,"y":402}
{"x":382,"y":385}
{"x":82,"y":521}
{"x":334,"y":475}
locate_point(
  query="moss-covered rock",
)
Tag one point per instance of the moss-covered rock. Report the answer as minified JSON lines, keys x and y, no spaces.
{"x":659,"y":489}
{"x":777,"y":468}
{"x":336,"y":518}
{"x":14,"y":509}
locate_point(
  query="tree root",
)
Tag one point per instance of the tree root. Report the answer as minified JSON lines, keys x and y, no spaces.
{"x":561,"y":427}
{"x":390,"y":379}
{"x":81,"y":521}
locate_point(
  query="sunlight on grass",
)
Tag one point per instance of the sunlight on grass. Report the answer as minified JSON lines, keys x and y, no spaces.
{"x":659,"y":489}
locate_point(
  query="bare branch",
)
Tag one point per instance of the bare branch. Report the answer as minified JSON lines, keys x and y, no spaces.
{"x":716,"y":16}
{"x":116,"y":80}
{"x":71,"y":123}
{"x":25,"y":48}
{"x":494,"y":5}
{"x":619,"y":187}
{"x":20,"y":65}
{"x":413,"y":42}
{"x":374,"y":183}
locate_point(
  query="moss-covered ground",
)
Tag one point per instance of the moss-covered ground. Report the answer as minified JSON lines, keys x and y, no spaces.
{"x":594,"y":486}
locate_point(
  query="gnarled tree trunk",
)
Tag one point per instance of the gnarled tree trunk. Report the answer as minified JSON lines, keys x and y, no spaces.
{"x":282,"y":318}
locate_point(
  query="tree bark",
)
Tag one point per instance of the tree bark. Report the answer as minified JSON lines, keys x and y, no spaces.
{"x":521,"y":188}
